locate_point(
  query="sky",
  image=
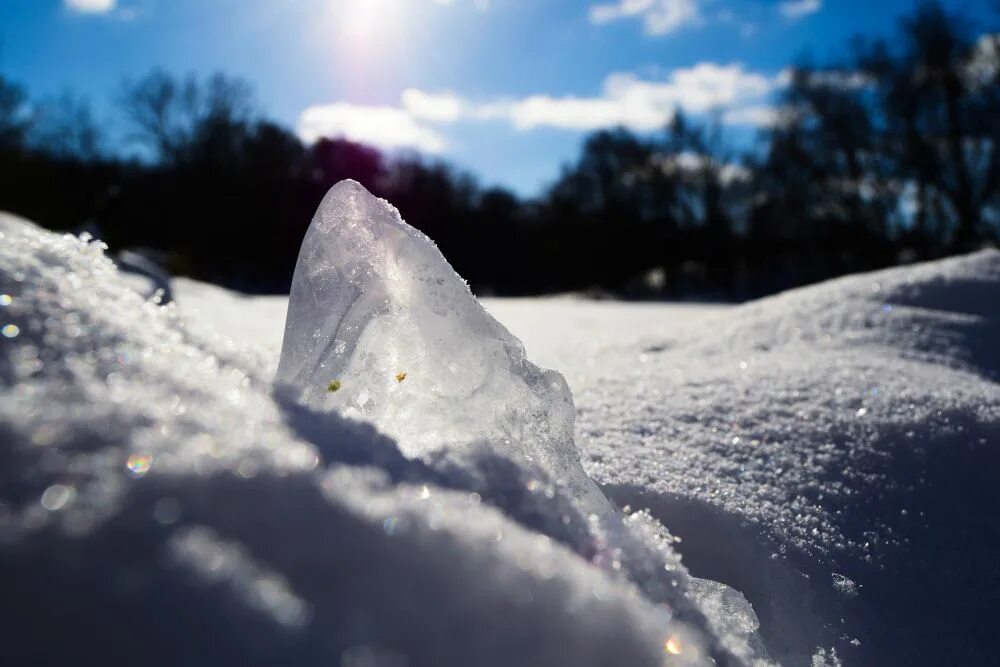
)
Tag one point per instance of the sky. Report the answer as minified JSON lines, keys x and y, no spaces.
{"x":506,"y":89}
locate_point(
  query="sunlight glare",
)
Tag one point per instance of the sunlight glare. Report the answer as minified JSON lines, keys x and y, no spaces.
{"x":365,"y":39}
{"x":364,"y":22}
{"x":673,"y":646}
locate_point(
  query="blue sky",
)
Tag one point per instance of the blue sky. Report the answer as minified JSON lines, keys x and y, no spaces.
{"x":504,"y":88}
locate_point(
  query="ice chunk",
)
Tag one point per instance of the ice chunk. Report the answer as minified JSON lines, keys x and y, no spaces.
{"x":845,"y":586}
{"x":381,"y":328}
{"x":731,"y":612}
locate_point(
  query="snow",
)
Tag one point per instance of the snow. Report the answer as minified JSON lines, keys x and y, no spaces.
{"x":848,"y":428}
{"x":823,"y":462}
{"x":158,"y":501}
{"x":829,"y":452}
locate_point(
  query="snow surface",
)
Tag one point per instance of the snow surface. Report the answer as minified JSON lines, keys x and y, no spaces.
{"x":829,"y":453}
{"x":159,"y":502}
{"x":841,"y":441}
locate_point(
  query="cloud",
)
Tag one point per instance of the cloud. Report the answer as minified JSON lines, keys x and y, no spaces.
{"x":576,"y":113}
{"x":659,"y":17}
{"x":386,"y":127}
{"x":91,"y":6}
{"x":797,"y":9}
{"x":638,"y":104}
{"x":434,"y":107}
{"x":708,"y":85}
{"x":760,"y":115}
{"x":626,"y":100}
{"x":481,"y":5}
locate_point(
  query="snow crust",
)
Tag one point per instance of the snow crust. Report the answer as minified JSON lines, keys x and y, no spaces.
{"x":830,"y":452}
{"x":841,"y":441}
{"x":160,"y":503}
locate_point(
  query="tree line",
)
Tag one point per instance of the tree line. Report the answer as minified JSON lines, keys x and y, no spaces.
{"x":887,"y":156}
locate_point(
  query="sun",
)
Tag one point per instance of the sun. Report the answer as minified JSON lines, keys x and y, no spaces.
{"x":365,"y":40}
{"x":371,"y":20}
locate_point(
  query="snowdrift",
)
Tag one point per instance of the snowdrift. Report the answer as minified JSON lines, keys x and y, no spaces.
{"x":830,"y":453}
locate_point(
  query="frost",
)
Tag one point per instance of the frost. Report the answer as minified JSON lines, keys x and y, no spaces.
{"x":732,"y":614}
{"x":729,"y":602}
{"x":374,"y":303}
{"x":824,"y":658}
{"x":844,"y":586}
{"x":859,"y":439}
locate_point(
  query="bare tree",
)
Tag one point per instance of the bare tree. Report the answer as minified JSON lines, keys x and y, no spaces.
{"x":897,"y":139}
{"x":170,"y":116}
{"x":66,"y":128}
{"x":948,"y":83}
{"x":15,"y":119}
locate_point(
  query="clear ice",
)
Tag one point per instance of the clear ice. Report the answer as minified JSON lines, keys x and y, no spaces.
{"x":381,"y":328}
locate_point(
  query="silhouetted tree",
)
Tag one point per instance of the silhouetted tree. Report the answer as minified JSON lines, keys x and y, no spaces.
{"x":14,"y":117}
{"x":336,"y":159}
{"x":709,"y":189}
{"x":890,"y":153}
{"x":175,"y":118}
{"x":65,"y":128}
{"x":607,"y":206}
{"x":945,"y":85}
{"x":890,"y":143}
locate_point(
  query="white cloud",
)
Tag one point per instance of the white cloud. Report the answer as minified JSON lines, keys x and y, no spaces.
{"x":481,"y":5}
{"x":638,"y":104}
{"x":382,"y":126}
{"x":708,"y":85}
{"x":797,"y":9}
{"x":434,"y":107}
{"x":659,"y":17}
{"x":91,"y":6}
{"x":635,"y":103}
{"x":578,"y":113}
{"x":760,"y":115}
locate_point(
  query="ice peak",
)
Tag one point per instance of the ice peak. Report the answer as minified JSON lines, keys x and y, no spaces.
{"x":381,"y":328}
